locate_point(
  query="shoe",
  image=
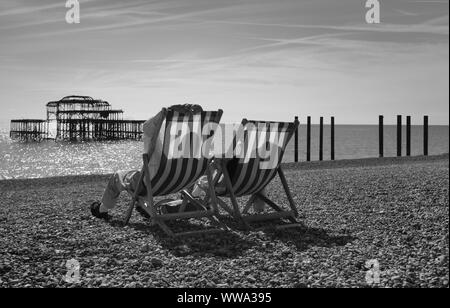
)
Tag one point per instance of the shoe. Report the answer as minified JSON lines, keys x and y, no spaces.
{"x":95,"y":210}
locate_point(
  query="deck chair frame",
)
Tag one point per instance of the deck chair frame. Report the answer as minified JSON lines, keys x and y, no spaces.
{"x":243,"y":216}
{"x":147,"y":202}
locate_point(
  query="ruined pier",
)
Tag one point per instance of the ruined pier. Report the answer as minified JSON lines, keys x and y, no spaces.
{"x":78,"y":118}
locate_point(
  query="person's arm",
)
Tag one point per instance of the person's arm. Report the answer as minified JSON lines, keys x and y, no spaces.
{"x":151,"y":131}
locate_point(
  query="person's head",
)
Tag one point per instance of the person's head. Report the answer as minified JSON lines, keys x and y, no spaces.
{"x":186,"y":108}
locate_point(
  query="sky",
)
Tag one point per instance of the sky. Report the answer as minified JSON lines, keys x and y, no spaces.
{"x":259,"y":59}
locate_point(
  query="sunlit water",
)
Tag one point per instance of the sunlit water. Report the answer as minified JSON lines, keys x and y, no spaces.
{"x":50,"y":158}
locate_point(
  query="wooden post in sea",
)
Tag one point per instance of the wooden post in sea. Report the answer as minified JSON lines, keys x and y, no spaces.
{"x":408,"y":135}
{"x":399,"y":135}
{"x":308,"y":139}
{"x":321,"y":140}
{"x":425,"y":135}
{"x":296,"y":141}
{"x":332,"y":138}
{"x":380,"y":136}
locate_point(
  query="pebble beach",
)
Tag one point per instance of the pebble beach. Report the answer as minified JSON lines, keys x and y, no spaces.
{"x":392,"y":210}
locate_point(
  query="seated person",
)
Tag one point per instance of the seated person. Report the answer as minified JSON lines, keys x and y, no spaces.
{"x":129,"y":180}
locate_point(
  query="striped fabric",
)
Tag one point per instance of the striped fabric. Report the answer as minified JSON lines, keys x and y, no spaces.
{"x":252,"y":174}
{"x":177,"y":172}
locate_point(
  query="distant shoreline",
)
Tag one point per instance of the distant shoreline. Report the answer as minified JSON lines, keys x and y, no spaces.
{"x":364,"y":162}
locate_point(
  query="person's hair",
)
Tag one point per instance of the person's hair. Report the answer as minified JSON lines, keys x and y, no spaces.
{"x":186,"y":108}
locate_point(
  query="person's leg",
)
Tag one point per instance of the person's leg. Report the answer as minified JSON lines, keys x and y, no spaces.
{"x":118,"y":182}
{"x":259,"y":204}
{"x":200,"y":187}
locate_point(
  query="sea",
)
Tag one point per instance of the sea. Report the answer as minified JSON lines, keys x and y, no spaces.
{"x":20,"y":160}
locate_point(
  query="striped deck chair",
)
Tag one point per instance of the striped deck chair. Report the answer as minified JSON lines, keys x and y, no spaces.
{"x":175,"y":174}
{"x":252,"y":174}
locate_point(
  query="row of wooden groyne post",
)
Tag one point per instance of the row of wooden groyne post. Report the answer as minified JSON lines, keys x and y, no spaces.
{"x":380,"y":137}
{"x":308,"y":139}
{"x":399,"y":135}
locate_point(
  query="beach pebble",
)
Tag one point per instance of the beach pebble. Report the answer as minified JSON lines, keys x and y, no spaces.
{"x":157,"y":262}
{"x":441,"y":260}
{"x":352,"y":215}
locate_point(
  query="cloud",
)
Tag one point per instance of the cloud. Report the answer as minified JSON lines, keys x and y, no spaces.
{"x":116,"y":11}
{"x":118,"y":17}
{"x":240,"y":55}
{"x":29,"y":9}
{"x":418,"y":28}
{"x":406,"y":13}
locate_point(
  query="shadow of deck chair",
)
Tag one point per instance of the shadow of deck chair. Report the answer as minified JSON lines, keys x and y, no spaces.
{"x":251,"y":175}
{"x":175,"y":174}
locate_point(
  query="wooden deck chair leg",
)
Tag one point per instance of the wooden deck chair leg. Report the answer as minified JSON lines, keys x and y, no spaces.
{"x":215,"y":221}
{"x":187,"y":197}
{"x":134,"y":198}
{"x":275,"y":206}
{"x":288,"y":192}
{"x":165,"y":228}
{"x":237,"y":212}
{"x":183,"y":204}
{"x":129,"y":211}
{"x":225,"y":206}
{"x":249,"y":204}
